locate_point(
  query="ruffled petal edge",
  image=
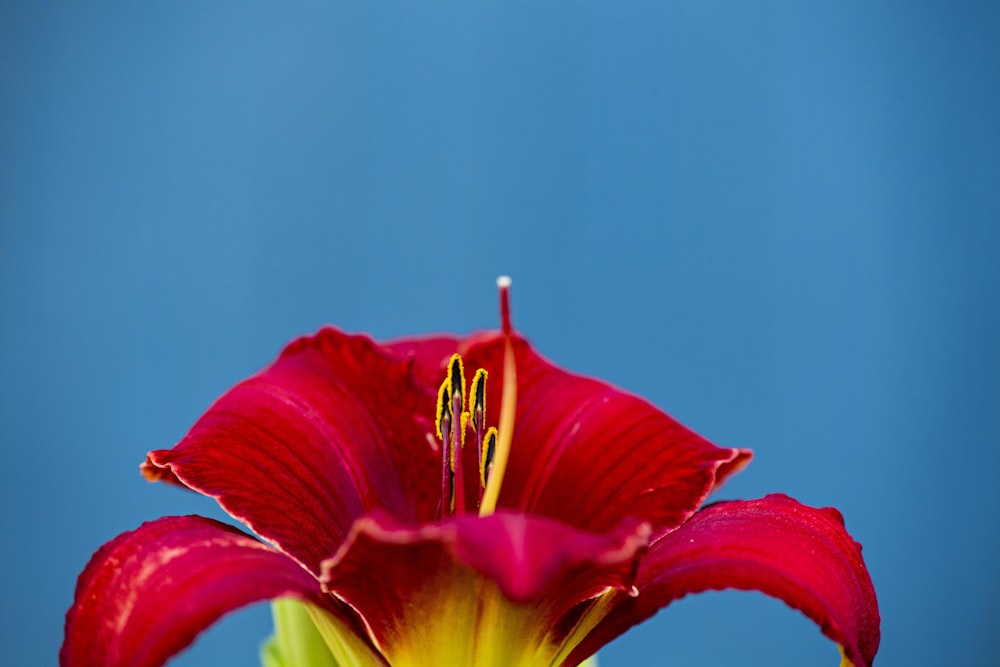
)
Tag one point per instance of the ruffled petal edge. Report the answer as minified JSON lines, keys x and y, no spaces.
{"x":799,"y":554}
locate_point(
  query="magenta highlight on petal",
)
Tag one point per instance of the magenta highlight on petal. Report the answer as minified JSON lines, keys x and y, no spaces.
{"x":453,"y":500}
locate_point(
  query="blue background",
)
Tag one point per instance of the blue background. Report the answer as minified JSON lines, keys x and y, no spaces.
{"x":779,"y":221}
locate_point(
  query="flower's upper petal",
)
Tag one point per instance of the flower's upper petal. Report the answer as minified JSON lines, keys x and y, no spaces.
{"x":776,"y":545}
{"x":430,"y":354}
{"x":334,"y":428}
{"x":729,"y":468}
{"x":587,"y":453}
{"x":146,"y":594}
{"x":492,"y":590}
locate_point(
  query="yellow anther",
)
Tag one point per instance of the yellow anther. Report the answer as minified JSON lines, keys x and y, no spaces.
{"x":477,"y":396}
{"x":486,"y":455}
{"x":456,"y":375}
{"x":442,"y":422}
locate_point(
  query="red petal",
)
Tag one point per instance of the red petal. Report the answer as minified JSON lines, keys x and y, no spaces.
{"x":776,"y":545}
{"x":399,"y":576}
{"x":587,"y":453}
{"x":430,"y":355}
{"x":334,"y":428}
{"x":146,"y":594}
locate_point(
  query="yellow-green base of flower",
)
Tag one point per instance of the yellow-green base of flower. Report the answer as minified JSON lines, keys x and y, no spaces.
{"x":305,"y":636}
{"x":296,"y":641}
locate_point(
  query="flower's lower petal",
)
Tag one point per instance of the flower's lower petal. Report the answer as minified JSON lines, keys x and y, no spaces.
{"x":776,"y":545}
{"x":335,"y":427}
{"x":499,"y":590}
{"x":586,"y":453}
{"x":146,"y":594}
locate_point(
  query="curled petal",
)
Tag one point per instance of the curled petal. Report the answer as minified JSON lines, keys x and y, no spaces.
{"x":146,"y":594}
{"x":796,"y":553}
{"x":587,"y":453}
{"x":502,"y":589}
{"x":334,"y":428}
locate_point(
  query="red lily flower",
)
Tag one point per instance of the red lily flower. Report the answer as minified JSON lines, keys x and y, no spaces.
{"x":418,"y":535}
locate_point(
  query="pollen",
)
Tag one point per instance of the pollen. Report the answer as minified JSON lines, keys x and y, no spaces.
{"x":442,"y":423}
{"x":451,"y":424}
{"x":456,"y":377}
{"x":486,"y":452}
{"x":477,"y":395}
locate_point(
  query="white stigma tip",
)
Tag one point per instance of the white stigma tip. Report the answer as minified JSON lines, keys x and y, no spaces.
{"x":503,"y":281}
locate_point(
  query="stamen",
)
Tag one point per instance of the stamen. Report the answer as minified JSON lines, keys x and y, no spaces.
{"x":456,"y":373}
{"x":477,"y":394}
{"x":443,"y":425}
{"x":508,"y":405}
{"x":456,"y":378}
{"x":442,"y":422}
{"x":478,"y":397}
{"x":487,"y":450}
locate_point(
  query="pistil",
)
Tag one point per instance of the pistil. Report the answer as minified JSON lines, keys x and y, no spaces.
{"x":508,"y":404}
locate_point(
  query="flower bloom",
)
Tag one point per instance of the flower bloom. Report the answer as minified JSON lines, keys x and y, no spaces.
{"x":523,"y":518}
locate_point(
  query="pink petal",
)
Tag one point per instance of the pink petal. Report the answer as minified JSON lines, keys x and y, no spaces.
{"x":394,"y":574}
{"x":334,"y":428}
{"x":796,"y":553}
{"x":146,"y":594}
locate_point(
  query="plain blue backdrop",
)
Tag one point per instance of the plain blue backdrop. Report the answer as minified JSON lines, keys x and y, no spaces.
{"x":778,"y":221}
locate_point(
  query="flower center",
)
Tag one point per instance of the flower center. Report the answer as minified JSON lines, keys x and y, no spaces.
{"x":453,"y":420}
